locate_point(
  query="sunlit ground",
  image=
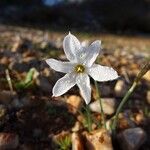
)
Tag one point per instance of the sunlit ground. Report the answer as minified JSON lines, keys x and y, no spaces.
{"x":27,"y":109}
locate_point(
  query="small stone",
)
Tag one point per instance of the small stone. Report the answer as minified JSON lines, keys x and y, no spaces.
{"x":16,"y":44}
{"x":28,"y":53}
{"x":132,"y":139}
{"x":6,"y":97}
{"x":105,"y":91}
{"x":147,"y":76}
{"x":76,"y":142}
{"x":108,"y":125}
{"x":125,"y":122}
{"x":4,"y":60}
{"x":44,"y":45}
{"x":98,"y":140}
{"x":77,"y":127}
{"x":120,"y":88}
{"x":46,"y":72}
{"x":44,"y":84}
{"x":75,"y":103}
{"x":148,"y":96}
{"x":23,"y":101}
{"x":107,"y":103}
{"x":34,"y":63}
{"x":94,"y":126}
{"x":28,"y":59}
{"x":139,"y":118}
{"x":81,"y":118}
{"x":24,"y":45}
{"x":123,"y":61}
{"x":20,"y":67}
{"x":16,"y":103}
{"x":58,"y":43}
{"x":85,"y":43}
{"x":2,"y":68}
{"x":8,"y":141}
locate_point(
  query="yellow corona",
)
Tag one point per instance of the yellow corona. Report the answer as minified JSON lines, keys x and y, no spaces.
{"x":79,"y":68}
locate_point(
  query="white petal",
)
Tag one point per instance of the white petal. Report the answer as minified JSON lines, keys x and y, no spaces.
{"x":71,"y":45}
{"x":92,"y":53}
{"x":102,"y":73}
{"x":64,"y":84}
{"x":83,"y":82}
{"x":60,"y":66}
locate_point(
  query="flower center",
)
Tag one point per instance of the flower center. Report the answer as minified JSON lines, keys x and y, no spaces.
{"x":79,"y":68}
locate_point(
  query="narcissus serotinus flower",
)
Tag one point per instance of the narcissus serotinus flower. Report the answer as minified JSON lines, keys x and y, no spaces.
{"x":80,"y":67}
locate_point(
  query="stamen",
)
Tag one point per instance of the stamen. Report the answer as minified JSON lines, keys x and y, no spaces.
{"x":79,"y":68}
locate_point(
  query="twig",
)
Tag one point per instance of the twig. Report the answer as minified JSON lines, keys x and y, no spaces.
{"x":9,"y":80}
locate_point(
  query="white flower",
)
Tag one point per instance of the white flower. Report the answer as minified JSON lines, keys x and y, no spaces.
{"x":80,"y":66}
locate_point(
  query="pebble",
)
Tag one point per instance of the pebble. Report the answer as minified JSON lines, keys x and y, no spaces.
{"x":147,"y":76}
{"x":77,"y":127}
{"x":44,"y":84}
{"x":6,"y":97}
{"x":24,"y":45}
{"x":7,"y":53}
{"x":98,"y":140}
{"x":20,"y":67}
{"x":75,"y":103}
{"x":76,"y":142}
{"x":44,"y":45}
{"x":28,"y":59}
{"x":46,"y":72}
{"x":139,"y":118}
{"x":132,"y":139}
{"x":105,"y":90}
{"x":34,"y":63}
{"x":23,"y":101}
{"x":16,"y":44}
{"x":107,"y":103}
{"x":2,"y":68}
{"x":120,"y":88}
{"x":8,"y":141}
{"x":125,"y":122}
{"x":108,"y":125}
{"x":148,"y":96}
{"x":4,"y":60}
{"x":85,"y":43}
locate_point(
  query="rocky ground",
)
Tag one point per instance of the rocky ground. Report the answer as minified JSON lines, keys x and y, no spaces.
{"x":31,"y":119}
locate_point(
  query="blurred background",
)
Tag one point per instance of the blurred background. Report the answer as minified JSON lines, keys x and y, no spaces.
{"x":129,"y":16}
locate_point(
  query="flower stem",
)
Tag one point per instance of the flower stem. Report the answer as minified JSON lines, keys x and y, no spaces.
{"x":129,"y":92}
{"x":119,"y":109}
{"x":89,"y":118}
{"x":100,"y":102}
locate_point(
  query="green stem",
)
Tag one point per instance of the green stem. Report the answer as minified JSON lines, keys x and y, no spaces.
{"x":144,"y":69}
{"x":100,"y":102}
{"x":89,"y":120}
{"x":124,"y":100}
